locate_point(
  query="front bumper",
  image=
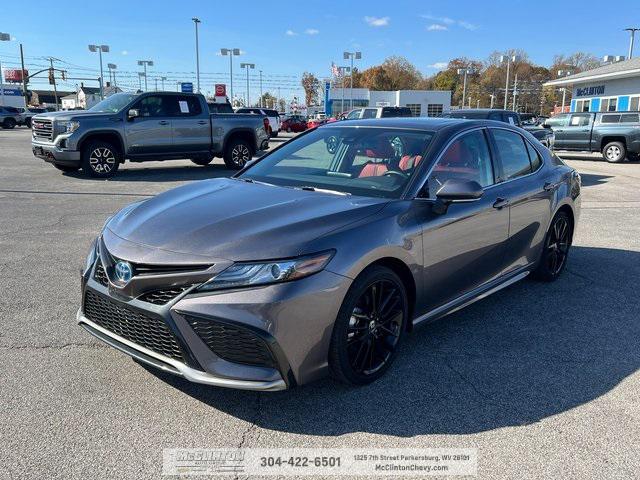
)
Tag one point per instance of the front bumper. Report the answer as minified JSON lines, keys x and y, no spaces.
{"x":55,"y":152}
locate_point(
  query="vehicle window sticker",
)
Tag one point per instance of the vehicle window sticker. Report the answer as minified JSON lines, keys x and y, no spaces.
{"x":184,"y":107}
{"x":511,"y":121}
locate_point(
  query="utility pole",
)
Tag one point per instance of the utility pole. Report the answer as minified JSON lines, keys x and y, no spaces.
{"x":260,"y":71}
{"x":632,"y":31}
{"x":24,"y":79}
{"x":53,"y":73}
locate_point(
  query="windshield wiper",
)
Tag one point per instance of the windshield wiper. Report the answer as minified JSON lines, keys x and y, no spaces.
{"x":251,"y":180}
{"x":309,"y":188}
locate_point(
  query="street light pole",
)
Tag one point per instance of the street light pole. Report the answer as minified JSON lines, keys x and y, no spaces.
{"x":196,"y":21}
{"x":465,"y":71}
{"x":248,"y":66}
{"x":508,"y":59}
{"x":230,"y":52}
{"x":112,"y":70}
{"x":564,"y":73}
{"x":4,"y":37}
{"x":144,"y":63}
{"x":260,"y":71}
{"x":347,"y":56}
{"x":162,"y":79}
{"x":632,"y":31}
{"x":100,"y":49}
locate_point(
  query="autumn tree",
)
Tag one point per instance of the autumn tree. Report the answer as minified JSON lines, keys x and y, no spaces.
{"x":310,"y":84}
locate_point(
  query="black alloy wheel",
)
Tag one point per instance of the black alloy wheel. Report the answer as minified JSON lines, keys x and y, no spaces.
{"x":556,"y":248}
{"x":238,"y":153}
{"x":100,"y":159}
{"x":369,"y":328}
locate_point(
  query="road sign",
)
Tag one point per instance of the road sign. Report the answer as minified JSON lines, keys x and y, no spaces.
{"x":221,"y":90}
{"x":186,"y":87}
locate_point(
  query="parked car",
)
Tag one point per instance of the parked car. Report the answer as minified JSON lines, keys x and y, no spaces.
{"x":543,"y":135}
{"x":147,"y":126}
{"x":308,"y":263}
{"x":26,"y":114}
{"x":316,"y":122}
{"x":615,"y":134}
{"x":294,"y":123}
{"x":272,"y":115}
{"x":9,"y":117}
{"x":377,"y":112}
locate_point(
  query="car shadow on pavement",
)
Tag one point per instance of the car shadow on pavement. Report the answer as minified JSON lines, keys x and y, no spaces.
{"x":591,"y":179}
{"x":165,"y":174}
{"x":529,"y":352}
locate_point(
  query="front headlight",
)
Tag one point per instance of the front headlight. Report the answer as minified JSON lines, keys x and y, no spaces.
{"x":70,"y":127}
{"x":91,"y":257}
{"x":241,"y":275}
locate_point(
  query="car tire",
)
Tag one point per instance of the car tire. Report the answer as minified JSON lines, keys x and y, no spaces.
{"x":274,"y":134}
{"x":366,"y":338}
{"x":66,"y":168}
{"x":557,"y":243}
{"x":614,"y":152}
{"x":9,"y":123}
{"x":288,"y":129}
{"x":100,"y":159}
{"x":202,"y":161}
{"x":237,"y":154}
{"x":27,"y":123}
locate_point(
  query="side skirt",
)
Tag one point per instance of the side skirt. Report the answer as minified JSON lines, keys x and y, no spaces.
{"x":473,"y":296}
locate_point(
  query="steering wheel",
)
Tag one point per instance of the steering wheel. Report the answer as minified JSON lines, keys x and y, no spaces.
{"x":389,"y":173}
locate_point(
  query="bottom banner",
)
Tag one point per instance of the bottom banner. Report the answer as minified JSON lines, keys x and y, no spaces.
{"x":396,"y":462}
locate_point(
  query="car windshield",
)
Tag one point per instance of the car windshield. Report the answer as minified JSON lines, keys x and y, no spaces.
{"x":114,"y":103}
{"x":371,"y":162}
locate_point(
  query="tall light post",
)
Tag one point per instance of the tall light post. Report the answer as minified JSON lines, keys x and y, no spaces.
{"x":100,"y":49}
{"x":564,"y":73}
{"x":248,"y":66}
{"x":352,"y":56}
{"x":231,"y":52}
{"x":4,"y":37}
{"x":260,"y":71}
{"x":508,"y":59}
{"x":465,"y":71}
{"x":145,"y":63}
{"x":632,"y":31}
{"x":196,"y":21}
{"x":342,"y":70}
{"x":162,"y":79}
{"x":112,"y":71}
{"x":140,"y":75}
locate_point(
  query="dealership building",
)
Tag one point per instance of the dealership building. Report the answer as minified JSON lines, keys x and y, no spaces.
{"x":614,"y":87}
{"x":423,"y":103}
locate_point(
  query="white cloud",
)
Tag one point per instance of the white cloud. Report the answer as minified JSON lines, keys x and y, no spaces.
{"x":312,"y":31}
{"x":124,"y":52}
{"x":467,"y":25}
{"x":291,"y":33}
{"x":439,"y":65}
{"x":377,"y":21}
{"x":446,"y":20}
{"x":450,"y":22}
{"x":436,"y":27}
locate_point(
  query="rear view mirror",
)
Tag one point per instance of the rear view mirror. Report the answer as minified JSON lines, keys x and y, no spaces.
{"x":133,"y":113}
{"x":459,"y":191}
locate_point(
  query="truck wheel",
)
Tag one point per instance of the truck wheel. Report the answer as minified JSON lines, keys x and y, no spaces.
{"x":66,"y":168}
{"x":614,"y":152}
{"x":202,"y":161}
{"x":238,"y":153}
{"x":274,"y":134}
{"x":9,"y":123}
{"x":100,"y":159}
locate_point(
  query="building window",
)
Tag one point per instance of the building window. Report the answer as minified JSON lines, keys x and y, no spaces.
{"x":582,"y":105}
{"x":416,"y":109}
{"x":609,"y":104}
{"x":634,"y":104}
{"x":435,"y":109}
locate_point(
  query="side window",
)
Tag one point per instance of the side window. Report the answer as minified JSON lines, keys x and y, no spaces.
{"x":188,"y":106}
{"x":369,"y":113}
{"x":630,"y":118}
{"x":580,"y":120}
{"x":155,"y":106}
{"x":353,"y":114}
{"x":467,"y":158}
{"x":534,"y":156}
{"x":512,"y":119}
{"x":557,"y":121}
{"x":513,"y":154}
{"x":496,"y":116}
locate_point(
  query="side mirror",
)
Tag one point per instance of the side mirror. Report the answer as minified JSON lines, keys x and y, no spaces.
{"x":133,"y":113}
{"x":459,"y":191}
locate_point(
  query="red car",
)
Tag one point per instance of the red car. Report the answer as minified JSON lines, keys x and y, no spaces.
{"x":294,"y":123}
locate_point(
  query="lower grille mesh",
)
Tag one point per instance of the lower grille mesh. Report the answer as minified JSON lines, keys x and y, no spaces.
{"x":232,"y":343}
{"x":146,"y":331}
{"x":100,"y":275}
{"x":160,"y":297}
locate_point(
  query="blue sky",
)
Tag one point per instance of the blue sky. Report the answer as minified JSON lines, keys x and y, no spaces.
{"x":285,"y":38}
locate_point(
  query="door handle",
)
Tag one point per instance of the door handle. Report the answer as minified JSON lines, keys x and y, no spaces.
{"x":202,"y":122}
{"x":549,"y":186}
{"x":500,"y":203}
{"x":163,"y":122}
{"x":558,"y":130}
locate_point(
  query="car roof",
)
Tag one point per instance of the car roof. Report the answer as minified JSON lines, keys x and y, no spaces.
{"x":422,"y":123}
{"x":481,"y":110}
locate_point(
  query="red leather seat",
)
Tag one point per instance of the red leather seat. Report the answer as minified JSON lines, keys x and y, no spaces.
{"x":408,"y":162}
{"x":381,"y":150}
{"x":459,"y":160}
{"x":372,"y":169}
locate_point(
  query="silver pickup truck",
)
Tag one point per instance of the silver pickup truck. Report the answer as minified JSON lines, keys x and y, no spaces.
{"x":148,"y":126}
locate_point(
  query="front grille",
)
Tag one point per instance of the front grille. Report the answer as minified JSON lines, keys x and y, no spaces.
{"x":233,"y":343}
{"x":100,"y":275}
{"x":42,"y":129}
{"x":161,"y":297}
{"x":146,"y":331}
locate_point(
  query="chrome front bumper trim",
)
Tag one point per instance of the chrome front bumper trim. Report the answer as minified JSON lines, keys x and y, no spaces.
{"x":169,"y":364}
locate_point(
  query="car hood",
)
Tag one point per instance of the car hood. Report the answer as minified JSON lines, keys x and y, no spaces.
{"x":71,"y":115}
{"x":235,"y":220}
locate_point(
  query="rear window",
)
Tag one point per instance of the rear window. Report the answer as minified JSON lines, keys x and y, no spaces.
{"x":396,"y":112}
{"x":271,"y":113}
{"x":630,"y":118}
{"x":463,"y":114}
{"x":220,"y":108}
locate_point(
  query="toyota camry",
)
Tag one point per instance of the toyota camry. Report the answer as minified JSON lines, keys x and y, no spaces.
{"x":321,"y":256}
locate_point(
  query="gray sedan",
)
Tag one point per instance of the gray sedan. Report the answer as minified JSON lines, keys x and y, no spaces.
{"x":321,"y":256}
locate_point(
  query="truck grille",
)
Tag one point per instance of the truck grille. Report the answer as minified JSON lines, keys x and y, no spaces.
{"x":144,"y":330}
{"x":233,"y":343}
{"x":42,"y":129}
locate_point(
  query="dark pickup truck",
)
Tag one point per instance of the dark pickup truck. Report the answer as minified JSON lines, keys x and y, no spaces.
{"x":615,"y":134}
{"x":147,"y":126}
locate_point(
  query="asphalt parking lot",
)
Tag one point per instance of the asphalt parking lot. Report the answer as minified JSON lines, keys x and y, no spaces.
{"x":541,"y":378}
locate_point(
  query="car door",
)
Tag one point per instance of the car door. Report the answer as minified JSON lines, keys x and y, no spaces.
{"x":464,"y":246}
{"x":529,"y":196}
{"x":150,"y":133}
{"x":369,"y":113}
{"x":191,"y":126}
{"x":558,"y":125}
{"x":577,"y":134}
